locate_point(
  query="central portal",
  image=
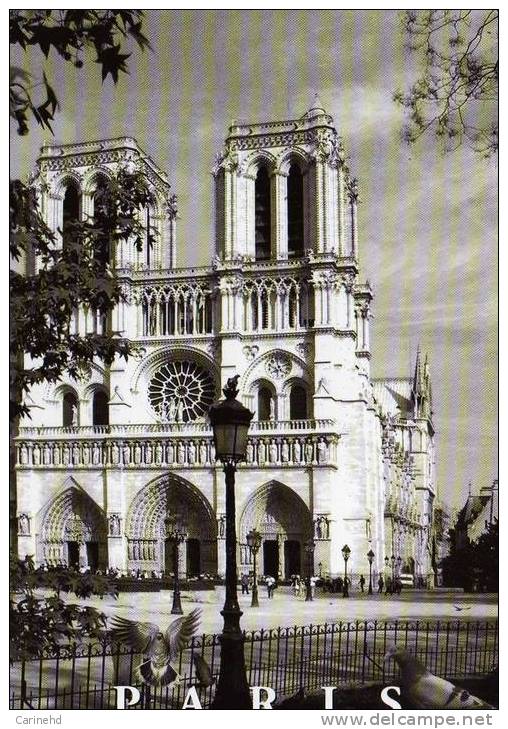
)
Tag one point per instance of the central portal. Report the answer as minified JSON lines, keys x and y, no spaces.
{"x":292,"y":560}
{"x":271,"y":557}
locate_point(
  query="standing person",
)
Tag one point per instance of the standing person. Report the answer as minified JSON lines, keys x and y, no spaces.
{"x":389,"y":586}
{"x":362,"y":582}
{"x":312,"y":586}
{"x":270,"y":584}
{"x":244,"y":581}
{"x":380,"y":584}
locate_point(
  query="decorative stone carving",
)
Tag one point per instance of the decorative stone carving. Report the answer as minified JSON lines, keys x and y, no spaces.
{"x":250,"y":352}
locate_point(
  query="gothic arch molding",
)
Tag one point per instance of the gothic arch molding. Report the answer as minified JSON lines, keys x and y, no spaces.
{"x":289,"y":364}
{"x":145,"y":530}
{"x":70,"y":516}
{"x":293,"y":155}
{"x":259,"y":158}
{"x":275,"y":509}
{"x":93,"y":176}
{"x":60,"y":183}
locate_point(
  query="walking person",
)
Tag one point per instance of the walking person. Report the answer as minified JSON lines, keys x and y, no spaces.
{"x":361,"y":582}
{"x":380,"y":584}
{"x":244,"y":581}
{"x":270,"y":584}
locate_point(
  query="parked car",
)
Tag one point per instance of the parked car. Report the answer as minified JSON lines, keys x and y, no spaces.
{"x":407,"y":580}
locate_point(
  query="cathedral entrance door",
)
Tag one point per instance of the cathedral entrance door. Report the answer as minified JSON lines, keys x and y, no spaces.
{"x":271,"y":557}
{"x":92,"y":555}
{"x":292,"y":558}
{"x":193,"y":558}
{"x":73,"y":554}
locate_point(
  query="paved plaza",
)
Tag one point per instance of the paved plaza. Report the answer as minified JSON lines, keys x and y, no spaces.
{"x":285,"y":609}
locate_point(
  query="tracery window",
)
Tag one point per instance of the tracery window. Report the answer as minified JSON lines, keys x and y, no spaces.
{"x":181,"y":391}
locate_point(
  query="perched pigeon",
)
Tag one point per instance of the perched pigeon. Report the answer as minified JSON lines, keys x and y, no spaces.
{"x":158,"y":648}
{"x":420,"y":689}
{"x":203,"y":672}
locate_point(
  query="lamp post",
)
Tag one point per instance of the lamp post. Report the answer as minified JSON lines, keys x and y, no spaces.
{"x":176,"y":531}
{"x":399,"y":565}
{"x":320,"y":567}
{"x":254,"y":541}
{"x":345,"y":553}
{"x":392,"y":560}
{"x":230,"y":422}
{"x":309,"y":551}
{"x":370,"y":557}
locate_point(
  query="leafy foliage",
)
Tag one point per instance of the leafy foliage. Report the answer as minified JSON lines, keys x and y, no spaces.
{"x":38,"y":624}
{"x":43,"y":304}
{"x":69,"y":34}
{"x":474,"y":564}
{"x":457,"y":89}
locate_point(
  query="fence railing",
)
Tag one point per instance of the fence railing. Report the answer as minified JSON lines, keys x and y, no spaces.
{"x":332,"y":654}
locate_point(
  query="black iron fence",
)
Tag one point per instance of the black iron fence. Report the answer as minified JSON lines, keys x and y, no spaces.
{"x":333,"y":654}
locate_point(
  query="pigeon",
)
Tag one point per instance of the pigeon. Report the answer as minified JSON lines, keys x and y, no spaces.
{"x":459,"y":608}
{"x":420,"y":689}
{"x":158,"y":648}
{"x":203,"y":672}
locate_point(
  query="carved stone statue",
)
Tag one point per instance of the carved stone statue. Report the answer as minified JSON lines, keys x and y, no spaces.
{"x":96,"y":454}
{"x":75,"y":454}
{"x":74,"y":415}
{"x":36,"y":455}
{"x":180,"y":454}
{"x":202,"y":452}
{"x":114,"y":525}
{"x":179,"y":411}
{"x":249,"y":452}
{"x":309,"y":452}
{"x":85,"y":454}
{"x":125,"y":454}
{"x":66,"y":455}
{"x":148,"y":454}
{"x":158,"y":454}
{"x":115,"y":454}
{"x":322,"y":451}
{"x":297,"y":451}
{"x":171,"y":410}
{"x":191,"y":453}
{"x":272,"y":408}
{"x":171,"y":454}
{"x":23,"y":525}
{"x":272,"y":450}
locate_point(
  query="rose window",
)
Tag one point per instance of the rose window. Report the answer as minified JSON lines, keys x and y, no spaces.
{"x":181,"y":391}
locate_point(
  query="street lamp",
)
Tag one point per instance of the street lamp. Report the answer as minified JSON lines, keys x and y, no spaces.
{"x":345,"y":553}
{"x":254,"y":541}
{"x":176,"y":531}
{"x":370,"y":557}
{"x":392,"y":560}
{"x":230,"y":421}
{"x":309,"y":551}
{"x":399,"y":564}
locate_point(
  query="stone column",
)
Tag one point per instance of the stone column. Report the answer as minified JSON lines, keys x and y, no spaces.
{"x":320,"y":212}
{"x":341,"y":206}
{"x":279,"y":215}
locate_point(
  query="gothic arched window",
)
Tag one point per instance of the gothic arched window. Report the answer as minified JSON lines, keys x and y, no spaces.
{"x":70,"y":210}
{"x":100,"y":408}
{"x":295,"y":211}
{"x":262,"y":215}
{"x":298,"y":403}
{"x":69,"y":409}
{"x":265,"y":404}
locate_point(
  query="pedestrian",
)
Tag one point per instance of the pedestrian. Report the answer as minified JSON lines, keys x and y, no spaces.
{"x":270,"y":584}
{"x":380,"y":584}
{"x":245,"y":584}
{"x":297,"y":585}
{"x":339,"y":584}
{"x":362,"y":582}
{"x":312,"y":581}
{"x":389,"y":586}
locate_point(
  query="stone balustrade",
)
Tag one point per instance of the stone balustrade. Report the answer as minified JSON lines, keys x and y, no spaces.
{"x":173,"y":428}
{"x":176,"y":452}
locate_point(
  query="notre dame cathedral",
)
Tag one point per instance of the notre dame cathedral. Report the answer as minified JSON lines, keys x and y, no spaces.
{"x":334,"y":455}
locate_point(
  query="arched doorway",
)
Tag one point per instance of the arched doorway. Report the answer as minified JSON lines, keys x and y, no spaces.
{"x":148,"y":545}
{"x":73,"y":531}
{"x":285,"y":523}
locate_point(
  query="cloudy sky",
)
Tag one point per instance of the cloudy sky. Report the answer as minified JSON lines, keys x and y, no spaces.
{"x":427,"y":221}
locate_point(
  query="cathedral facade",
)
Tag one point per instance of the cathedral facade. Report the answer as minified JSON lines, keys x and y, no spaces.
{"x":333,"y":455}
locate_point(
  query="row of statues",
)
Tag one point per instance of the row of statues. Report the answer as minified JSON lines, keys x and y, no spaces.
{"x":308,"y":450}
